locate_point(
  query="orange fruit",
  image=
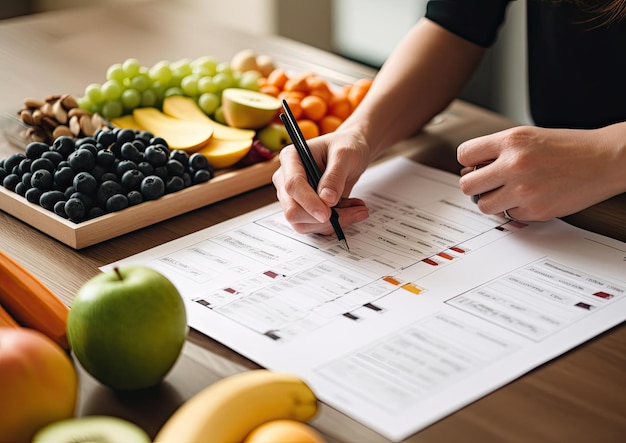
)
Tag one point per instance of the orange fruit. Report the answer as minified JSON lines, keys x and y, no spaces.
{"x":340,"y":106}
{"x":297,"y":83}
{"x":329,"y":123}
{"x":298,"y":95}
{"x":278,"y":77}
{"x":319,"y":87}
{"x":309,"y":128}
{"x":284,"y":431}
{"x":270,"y":90}
{"x":313,"y":107}
{"x":358,"y":90}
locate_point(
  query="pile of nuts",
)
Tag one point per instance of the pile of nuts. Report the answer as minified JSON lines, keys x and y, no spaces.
{"x":55,"y":116}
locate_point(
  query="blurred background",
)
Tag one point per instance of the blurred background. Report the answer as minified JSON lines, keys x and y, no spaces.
{"x":362,"y":30}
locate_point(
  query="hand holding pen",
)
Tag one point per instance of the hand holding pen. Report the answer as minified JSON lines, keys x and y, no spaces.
{"x":312,"y":170}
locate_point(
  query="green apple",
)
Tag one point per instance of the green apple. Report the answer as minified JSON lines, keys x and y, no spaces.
{"x":38,"y":383}
{"x":274,"y":136}
{"x":247,"y":109}
{"x":93,"y":429}
{"x":127,"y":327}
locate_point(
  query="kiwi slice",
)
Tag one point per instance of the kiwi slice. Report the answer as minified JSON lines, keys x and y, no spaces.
{"x":91,"y":429}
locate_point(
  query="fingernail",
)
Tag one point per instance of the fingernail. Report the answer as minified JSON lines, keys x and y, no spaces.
{"x":329,"y":196}
{"x":320,"y":216}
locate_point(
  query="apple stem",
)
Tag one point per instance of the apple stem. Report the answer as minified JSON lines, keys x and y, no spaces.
{"x":118,"y":273}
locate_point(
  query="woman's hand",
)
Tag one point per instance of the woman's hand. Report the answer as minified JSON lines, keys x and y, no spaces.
{"x":538,"y":174}
{"x":342,"y":157}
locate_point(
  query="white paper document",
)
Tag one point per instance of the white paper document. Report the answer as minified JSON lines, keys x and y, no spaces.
{"x":435,"y":305}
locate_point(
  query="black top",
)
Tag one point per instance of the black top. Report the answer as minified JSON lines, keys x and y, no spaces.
{"x":576,"y":65}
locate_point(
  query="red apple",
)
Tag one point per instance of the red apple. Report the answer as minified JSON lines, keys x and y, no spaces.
{"x":38,"y":384}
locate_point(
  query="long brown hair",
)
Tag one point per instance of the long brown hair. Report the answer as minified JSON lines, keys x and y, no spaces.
{"x":604,"y":12}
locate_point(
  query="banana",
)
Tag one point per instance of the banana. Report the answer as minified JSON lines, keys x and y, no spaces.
{"x":229,"y":409}
{"x":31,"y":303}
{"x":185,"y":108}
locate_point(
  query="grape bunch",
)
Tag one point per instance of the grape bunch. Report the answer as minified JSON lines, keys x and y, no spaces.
{"x":130,"y":85}
{"x":92,"y":176}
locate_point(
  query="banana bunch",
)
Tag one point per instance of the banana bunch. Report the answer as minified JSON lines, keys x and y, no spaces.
{"x":26,"y":301}
{"x":229,"y":409}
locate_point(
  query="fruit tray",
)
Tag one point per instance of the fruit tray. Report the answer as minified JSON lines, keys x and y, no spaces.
{"x":225,"y":184}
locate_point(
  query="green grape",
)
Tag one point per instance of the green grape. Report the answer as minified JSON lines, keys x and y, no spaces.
{"x":205,"y":84}
{"x":94,"y":92}
{"x":159,"y":88}
{"x":149,"y":98}
{"x":111,"y":90}
{"x":174,"y":90}
{"x":83,"y":102}
{"x":209,"y":103}
{"x":131,"y":98}
{"x":181,"y":68}
{"x":161,"y":72}
{"x":219,"y":115}
{"x":111,"y":109}
{"x":221,"y":81}
{"x":205,"y":65}
{"x":225,"y":68}
{"x":140,"y":82}
{"x":116,"y":72}
{"x":189,"y":85}
{"x":250,"y":80}
{"x":131,"y":67}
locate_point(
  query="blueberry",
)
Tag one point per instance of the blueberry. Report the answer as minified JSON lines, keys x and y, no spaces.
{"x":12,"y":161}
{"x":146,"y":168}
{"x":33,"y":195}
{"x":181,"y":156}
{"x":132,"y":179}
{"x":105,"y":138}
{"x":161,"y":171}
{"x":36,"y":149}
{"x":134,"y":198}
{"x":203,"y":175}
{"x":174,"y":184}
{"x":59,"y":209}
{"x":155,"y":156}
{"x":108,"y":189}
{"x":152,"y":187}
{"x":197,"y":161}
{"x":175,"y":168}
{"x":24,"y":166}
{"x":75,"y":209}
{"x":158,"y":141}
{"x":81,"y":160}
{"x":86,"y":200}
{"x":64,"y":145}
{"x":42,"y":179}
{"x":116,"y":202}
{"x":26,"y":179}
{"x":109,"y":176}
{"x":54,"y":156}
{"x":20,"y":189}
{"x":42,"y":163}
{"x":49,"y":198}
{"x":11,"y":181}
{"x":63,"y":177}
{"x":95,"y":212}
{"x":85,"y":182}
{"x":129,"y":151}
{"x":105,"y":158}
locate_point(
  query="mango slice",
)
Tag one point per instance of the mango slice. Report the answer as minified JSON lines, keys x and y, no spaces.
{"x":180,"y":134}
{"x":222,"y":153}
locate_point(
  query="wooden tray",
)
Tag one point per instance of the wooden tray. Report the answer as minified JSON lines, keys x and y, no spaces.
{"x":79,"y":235}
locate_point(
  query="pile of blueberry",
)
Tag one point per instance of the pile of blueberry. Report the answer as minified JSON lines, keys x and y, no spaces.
{"x":116,"y":168}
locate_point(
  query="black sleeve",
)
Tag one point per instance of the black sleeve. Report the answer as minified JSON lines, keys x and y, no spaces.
{"x":475,"y":20}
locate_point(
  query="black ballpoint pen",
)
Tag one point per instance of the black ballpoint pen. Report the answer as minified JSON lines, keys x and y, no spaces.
{"x":312,"y":171}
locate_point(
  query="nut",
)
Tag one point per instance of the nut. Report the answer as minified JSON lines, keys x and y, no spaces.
{"x":58,"y":115}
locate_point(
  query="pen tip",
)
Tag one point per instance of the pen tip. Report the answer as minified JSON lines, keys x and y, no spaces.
{"x":345,"y":245}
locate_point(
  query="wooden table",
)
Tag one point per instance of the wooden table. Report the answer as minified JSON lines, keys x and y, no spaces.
{"x":580,"y":396}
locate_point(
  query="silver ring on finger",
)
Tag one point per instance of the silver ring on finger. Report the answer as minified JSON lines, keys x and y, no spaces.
{"x":507,"y":215}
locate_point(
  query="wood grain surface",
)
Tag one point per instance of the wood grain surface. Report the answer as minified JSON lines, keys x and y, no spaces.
{"x":578,"y":397}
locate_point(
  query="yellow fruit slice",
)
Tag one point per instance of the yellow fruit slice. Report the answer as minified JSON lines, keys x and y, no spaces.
{"x":125,"y":122}
{"x":185,"y":108}
{"x":179,"y":134}
{"x":225,"y":153}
